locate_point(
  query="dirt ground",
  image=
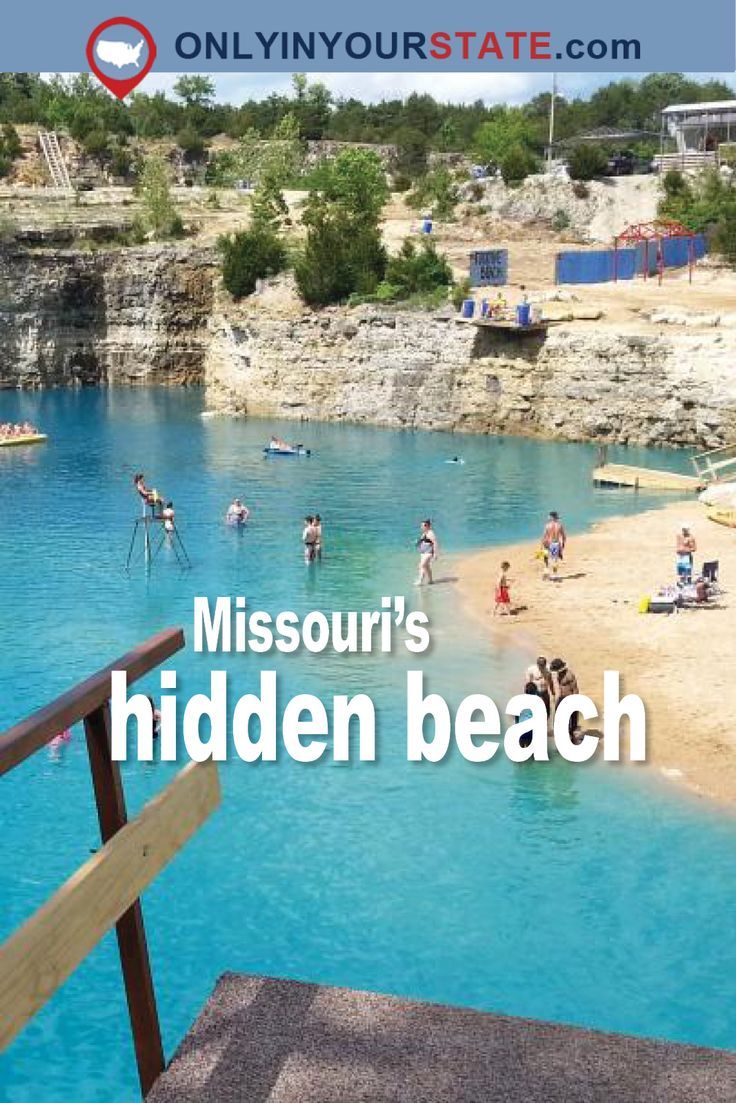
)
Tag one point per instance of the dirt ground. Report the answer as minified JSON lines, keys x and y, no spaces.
{"x":532,"y":248}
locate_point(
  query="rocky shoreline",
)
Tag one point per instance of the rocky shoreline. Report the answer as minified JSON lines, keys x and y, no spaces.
{"x":156,"y":315}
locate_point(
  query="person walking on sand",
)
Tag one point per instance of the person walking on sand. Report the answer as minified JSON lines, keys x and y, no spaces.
{"x":685,"y":550}
{"x":554,"y":539}
{"x":502,"y":595}
{"x":428,"y":551}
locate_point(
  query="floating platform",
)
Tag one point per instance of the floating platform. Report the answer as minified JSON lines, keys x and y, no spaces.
{"x":29,"y":438}
{"x":505,"y":326}
{"x":280,"y":1041}
{"x":645,"y":478}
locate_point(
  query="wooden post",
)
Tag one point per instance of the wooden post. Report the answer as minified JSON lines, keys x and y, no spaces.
{"x":131,"y":934}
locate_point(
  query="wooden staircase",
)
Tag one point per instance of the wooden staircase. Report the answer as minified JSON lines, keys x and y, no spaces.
{"x":49,"y":142}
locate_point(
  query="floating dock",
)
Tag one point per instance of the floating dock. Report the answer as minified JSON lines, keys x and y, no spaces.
{"x":645,"y":478}
{"x":505,"y":326}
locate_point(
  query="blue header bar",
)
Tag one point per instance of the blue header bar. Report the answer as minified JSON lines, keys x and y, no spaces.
{"x":627,"y":36}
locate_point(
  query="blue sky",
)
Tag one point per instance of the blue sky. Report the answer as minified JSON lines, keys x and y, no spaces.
{"x":511,"y":88}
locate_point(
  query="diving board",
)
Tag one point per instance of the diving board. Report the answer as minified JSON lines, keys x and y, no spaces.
{"x":645,"y":478}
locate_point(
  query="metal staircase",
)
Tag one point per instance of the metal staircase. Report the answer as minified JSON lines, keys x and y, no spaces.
{"x":54,"y":160}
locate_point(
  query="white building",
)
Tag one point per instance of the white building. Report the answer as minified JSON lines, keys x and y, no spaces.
{"x":700,"y":127}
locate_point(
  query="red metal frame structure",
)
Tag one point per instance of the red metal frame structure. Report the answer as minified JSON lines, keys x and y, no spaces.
{"x":654,"y":233}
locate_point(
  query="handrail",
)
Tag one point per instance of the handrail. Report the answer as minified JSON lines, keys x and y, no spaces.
{"x":20,"y":741}
{"x":199,"y":789}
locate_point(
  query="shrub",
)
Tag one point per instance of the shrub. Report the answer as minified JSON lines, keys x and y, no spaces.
{"x":460,"y":291}
{"x":10,"y":143}
{"x":674,"y":183}
{"x":580,"y":190}
{"x":192,"y":145}
{"x":400,"y":181}
{"x":560,"y":220}
{"x":516,"y":165}
{"x":121,"y":162}
{"x":418,"y":270}
{"x":340,"y":258}
{"x":437,"y":191}
{"x":249,"y":256}
{"x":96,"y":144}
{"x":476,"y":191}
{"x":723,"y":239}
{"x":5,"y":165}
{"x":585,"y":162}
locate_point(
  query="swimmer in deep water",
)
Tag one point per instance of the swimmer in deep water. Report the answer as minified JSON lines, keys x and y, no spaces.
{"x":168,"y":517}
{"x":428,"y":551}
{"x":456,"y":459}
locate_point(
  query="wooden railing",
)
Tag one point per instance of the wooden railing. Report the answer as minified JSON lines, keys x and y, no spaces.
{"x":105,"y":891}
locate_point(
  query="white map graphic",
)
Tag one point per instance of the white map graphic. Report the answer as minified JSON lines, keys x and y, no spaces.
{"x":119,"y":54}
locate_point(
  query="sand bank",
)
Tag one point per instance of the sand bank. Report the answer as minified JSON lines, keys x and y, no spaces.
{"x":682,"y":666}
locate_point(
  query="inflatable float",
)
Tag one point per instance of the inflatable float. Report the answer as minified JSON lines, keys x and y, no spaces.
{"x":298,"y":450}
{"x":30,"y":438}
{"x":725,"y":517}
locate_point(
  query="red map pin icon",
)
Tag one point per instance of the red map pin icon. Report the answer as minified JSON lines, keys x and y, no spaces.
{"x":120,"y":54}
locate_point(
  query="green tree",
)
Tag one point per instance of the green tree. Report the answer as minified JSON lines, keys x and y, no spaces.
{"x":412,"y":148}
{"x":159,"y":217}
{"x":343,"y":253}
{"x":195,"y":89}
{"x":516,"y":164}
{"x":508,"y":129}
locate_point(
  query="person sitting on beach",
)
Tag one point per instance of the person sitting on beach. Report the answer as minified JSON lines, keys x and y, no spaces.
{"x":554,"y":539}
{"x":502,"y":594}
{"x":565,"y":685}
{"x":684,"y":552}
{"x":237,"y":513}
{"x":309,"y":539}
{"x":427,"y":546}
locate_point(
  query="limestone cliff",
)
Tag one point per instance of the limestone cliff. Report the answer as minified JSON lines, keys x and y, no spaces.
{"x":110,"y":316}
{"x":419,"y":370}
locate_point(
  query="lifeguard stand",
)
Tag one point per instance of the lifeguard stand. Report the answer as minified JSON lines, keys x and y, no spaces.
{"x":151,"y":532}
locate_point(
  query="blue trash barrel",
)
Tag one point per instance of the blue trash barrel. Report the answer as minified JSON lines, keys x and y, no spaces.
{"x":523,"y":314}
{"x":484,"y":308}
{"x":468,"y":308}
{"x":427,"y":226}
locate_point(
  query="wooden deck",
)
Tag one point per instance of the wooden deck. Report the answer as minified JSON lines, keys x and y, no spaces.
{"x":260,"y":1040}
{"x":504,"y":326}
{"x":645,"y":478}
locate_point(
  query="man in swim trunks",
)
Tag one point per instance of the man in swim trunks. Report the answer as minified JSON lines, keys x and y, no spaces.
{"x":427,"y":545}
{"x":684,"y":552}
{"x":554,"y":539}
{"x":309,"y":539}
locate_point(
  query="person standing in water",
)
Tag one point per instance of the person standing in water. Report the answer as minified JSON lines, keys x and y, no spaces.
{"x":428,"y":551}
{"x":169,"y":517}
{"x":309,"y":539}
{"x":554,"y":539}
{"x":317,"y":522}
{"x":237,"y":513}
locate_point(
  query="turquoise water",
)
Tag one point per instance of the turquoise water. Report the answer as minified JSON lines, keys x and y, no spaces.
{"x":582,"y":894}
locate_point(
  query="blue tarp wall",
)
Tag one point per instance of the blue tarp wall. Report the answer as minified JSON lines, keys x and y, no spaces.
{"x":597,"y":266}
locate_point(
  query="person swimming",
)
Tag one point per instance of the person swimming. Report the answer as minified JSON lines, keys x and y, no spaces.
{"x":456,"y":459}
{"x":168,"y":517}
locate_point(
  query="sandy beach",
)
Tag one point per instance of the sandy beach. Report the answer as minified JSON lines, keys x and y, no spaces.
{"x":683,"y":666}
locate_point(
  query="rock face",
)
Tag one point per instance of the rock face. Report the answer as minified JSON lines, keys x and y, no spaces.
{"x":416,"y":370}
{"x":113,"y":316}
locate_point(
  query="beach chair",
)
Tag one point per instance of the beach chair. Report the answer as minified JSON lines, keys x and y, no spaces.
{"x":710,"y":571}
